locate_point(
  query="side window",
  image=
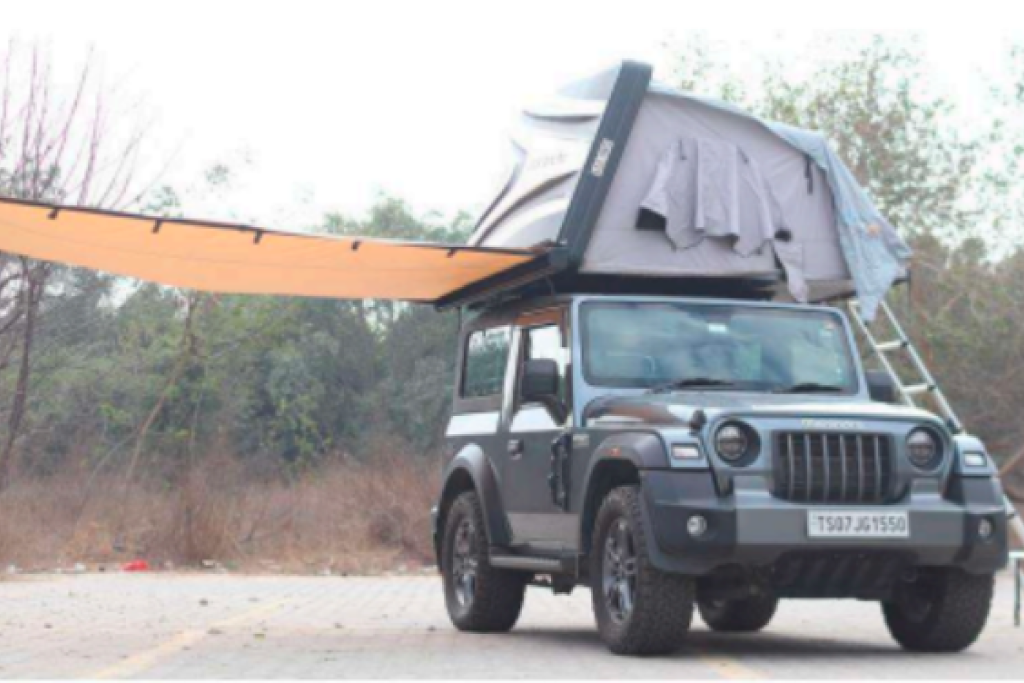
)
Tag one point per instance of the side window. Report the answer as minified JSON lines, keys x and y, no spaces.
{"x":486,"y":356}
{"x":546,"y":342}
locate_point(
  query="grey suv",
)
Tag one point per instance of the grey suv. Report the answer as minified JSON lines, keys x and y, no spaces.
{"x":671,"y":453}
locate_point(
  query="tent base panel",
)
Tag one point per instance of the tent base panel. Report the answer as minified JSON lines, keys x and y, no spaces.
{"x":549,"y":274}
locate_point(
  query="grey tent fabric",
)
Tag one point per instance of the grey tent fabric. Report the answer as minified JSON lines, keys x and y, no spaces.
{"x":874,"y":251}
{"x":708,"y":188}
{"x":617,"y":247}
{"x":741,"y":197}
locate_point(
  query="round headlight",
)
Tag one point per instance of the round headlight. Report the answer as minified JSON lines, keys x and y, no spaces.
{"x":924,"y":449}
{"x":732,"y":442}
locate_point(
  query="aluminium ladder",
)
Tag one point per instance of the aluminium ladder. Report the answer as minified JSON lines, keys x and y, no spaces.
{"x":907,"y":392}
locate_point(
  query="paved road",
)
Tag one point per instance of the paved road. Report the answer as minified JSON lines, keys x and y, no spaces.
{"x":224,"y":626}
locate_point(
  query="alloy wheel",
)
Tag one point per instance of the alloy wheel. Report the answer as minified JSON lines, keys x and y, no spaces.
{"x":464,"y":563}
{"x":618,"y":580}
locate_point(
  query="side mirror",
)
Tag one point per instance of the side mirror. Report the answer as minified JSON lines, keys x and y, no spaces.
{"x":881,"y":387}
{"x":540,"y":380}
{"x":540,"y":385}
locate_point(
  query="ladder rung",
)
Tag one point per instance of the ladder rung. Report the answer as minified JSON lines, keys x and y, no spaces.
{"x":893,"y":345}
{"x":915,"y":389}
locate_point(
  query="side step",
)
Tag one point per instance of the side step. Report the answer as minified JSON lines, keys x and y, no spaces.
{"x":503,"y":559}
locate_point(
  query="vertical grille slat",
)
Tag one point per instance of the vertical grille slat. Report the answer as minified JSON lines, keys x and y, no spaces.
{"x":860,"y":470}
{"x":879,"y":476}
{"x":824,"y":461}
{"x":832,"y":467}
{"x":792,"y":468}
{"x":808,"y":463}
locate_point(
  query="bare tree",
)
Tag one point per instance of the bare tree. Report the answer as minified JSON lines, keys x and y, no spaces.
{"x":58,"y":143}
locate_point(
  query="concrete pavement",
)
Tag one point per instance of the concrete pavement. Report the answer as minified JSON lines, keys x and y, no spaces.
{"x":229,"y":626}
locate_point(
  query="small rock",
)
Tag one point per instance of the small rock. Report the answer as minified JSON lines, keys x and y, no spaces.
{"x":215,"y":632}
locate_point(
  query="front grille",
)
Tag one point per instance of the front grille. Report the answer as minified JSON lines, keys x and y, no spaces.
{"x":817,"y":467}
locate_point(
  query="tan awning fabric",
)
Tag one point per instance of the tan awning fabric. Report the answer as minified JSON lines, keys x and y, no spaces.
{"x":219,"y":257}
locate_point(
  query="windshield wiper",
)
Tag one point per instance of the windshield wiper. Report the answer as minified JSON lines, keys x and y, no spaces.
{"x":810,"y":388}
{"x":690,"y":382}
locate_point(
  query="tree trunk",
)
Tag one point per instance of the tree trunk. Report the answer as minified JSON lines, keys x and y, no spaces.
{"x":34,"y":283}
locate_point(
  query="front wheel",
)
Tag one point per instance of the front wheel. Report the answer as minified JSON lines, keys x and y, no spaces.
{"x":639,"y":609}
{"x":479,"y":597}
{"x":944,"y":610}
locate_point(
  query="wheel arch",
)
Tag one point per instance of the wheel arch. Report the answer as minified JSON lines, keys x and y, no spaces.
{"x":472,"y":470}
{"x":606,"y":475}
{"x":617,"y":461}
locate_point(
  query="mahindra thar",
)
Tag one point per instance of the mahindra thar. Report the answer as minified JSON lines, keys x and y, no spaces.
{"x":681,"y":453}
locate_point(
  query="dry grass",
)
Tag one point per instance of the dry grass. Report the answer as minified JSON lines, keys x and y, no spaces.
{"x":346,"y":517}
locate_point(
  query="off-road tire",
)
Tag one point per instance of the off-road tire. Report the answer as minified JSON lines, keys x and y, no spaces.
{"x":497,"y":598}
{"x":746,"y":615}
{"x":662,"y":608}
{"x":958,"y":604}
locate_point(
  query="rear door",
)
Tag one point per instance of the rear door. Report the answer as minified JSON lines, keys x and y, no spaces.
{"x":535,"y":518}
{"x":477,"y":416}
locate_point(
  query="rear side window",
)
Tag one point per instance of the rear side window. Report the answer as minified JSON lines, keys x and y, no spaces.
{"x":486,"y":357}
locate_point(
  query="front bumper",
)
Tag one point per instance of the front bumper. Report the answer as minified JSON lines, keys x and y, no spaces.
{"x":751,"y":528}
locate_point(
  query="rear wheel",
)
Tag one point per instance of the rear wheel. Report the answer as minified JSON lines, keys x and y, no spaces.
{"x":738,"y":616}
{"x":639,"y":609}
{"x":479,"y":597}
{"x":944,"y":610}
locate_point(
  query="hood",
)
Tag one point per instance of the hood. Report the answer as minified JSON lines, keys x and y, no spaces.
{"x":677,"y":408}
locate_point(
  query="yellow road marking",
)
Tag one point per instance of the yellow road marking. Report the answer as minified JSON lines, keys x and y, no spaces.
{"x":144,"y":660}
{"x":727,"y":667}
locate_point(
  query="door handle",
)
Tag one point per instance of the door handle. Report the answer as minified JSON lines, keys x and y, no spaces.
{"x":515,"y":448}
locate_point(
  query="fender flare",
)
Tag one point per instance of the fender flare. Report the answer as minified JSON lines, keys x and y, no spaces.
{"x":641,"y":450}
{"x":472,"y":461}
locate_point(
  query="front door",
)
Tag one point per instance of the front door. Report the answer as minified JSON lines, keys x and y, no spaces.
{"x":536,"y":519}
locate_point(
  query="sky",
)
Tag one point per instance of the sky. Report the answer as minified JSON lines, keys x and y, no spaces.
{"x":322,"y":106}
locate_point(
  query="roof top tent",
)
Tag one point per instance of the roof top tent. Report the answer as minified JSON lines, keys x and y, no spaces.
{"x":621,"y":183}
{"x":618,"y":185}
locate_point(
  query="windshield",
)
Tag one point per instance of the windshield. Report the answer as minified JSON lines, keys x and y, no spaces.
{"x":667,"y":346}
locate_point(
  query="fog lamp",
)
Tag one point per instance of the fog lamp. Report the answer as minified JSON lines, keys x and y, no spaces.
{"x":696,"y":526}
{"x":986,"y":528}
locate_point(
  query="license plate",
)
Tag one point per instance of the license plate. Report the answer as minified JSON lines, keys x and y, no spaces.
{"x":857,"y":524}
